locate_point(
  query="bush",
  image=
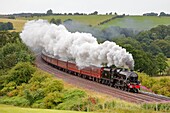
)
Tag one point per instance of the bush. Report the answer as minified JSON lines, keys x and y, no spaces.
{"x":17,"y":101}
{"x":52,"y":100}
{"x":53,"y":85}
{"x":74,"y":99}
{"x":8,"y":87}
{"x":38,"y":104}
{"x":21,"y":73}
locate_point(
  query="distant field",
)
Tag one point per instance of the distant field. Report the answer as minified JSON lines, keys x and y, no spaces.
{"x":87,"y":19}
{"x":13,"y":109}
{"x":18,"y":24}
{"x":138,"y":22}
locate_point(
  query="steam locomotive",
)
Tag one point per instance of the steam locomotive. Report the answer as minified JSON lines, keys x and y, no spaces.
{"x":115,"y":77}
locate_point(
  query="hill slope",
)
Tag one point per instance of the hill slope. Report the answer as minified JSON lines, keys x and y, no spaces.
{"x":135,"y":22}
{"x":138,"y":22}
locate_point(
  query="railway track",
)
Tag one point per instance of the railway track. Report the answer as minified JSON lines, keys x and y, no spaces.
{"x":128,"y":96}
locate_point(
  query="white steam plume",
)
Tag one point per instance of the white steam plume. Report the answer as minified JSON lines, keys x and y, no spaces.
{"x":82,"y":47}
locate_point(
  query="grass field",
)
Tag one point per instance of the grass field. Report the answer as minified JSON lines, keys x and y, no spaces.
{"x":138,"y":22}
{"x":13,"y":109}
{"x":89,"y":20}
{"x":93,"y":20}
{"x":121,"y":109}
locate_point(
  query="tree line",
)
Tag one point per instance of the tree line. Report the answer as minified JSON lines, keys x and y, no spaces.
{"x":156,"y":14}
{"x":48,"y":13}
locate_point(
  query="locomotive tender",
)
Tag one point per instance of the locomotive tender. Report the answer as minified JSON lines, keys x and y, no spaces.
{"x":115,"y":77}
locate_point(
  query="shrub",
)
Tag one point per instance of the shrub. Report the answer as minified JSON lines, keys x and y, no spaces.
{"x":53,"y":85}
{"x":52,"y":99}
{"x":38,"y":104}
{"x":21,"y":73}
{"x":17,"y":101}
{"x":8,"y":87}
{"x":73,"y":100}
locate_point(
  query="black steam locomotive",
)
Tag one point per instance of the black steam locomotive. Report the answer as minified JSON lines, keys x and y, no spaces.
{"x":115,"y":77}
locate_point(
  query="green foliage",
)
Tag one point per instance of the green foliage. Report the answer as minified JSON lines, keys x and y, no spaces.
{"x":73,"y":100}
{"x":7,"y":37}
{"x":164,"y":45}
{"x":146,"y":80}
{"x":158,"y":37}
{"x":8,"y":87}
{"x":53,"y":85}
{"x":52,"y":99}
{"x":161,"y":63}
{"x":6,"y":26}
{"x":57,"y":21}
{"x":17,"y":101}
{"x":21,"y":73}
{"x":158,"y":86}
{"x":33,"y":96}
{"x":12,"y":50}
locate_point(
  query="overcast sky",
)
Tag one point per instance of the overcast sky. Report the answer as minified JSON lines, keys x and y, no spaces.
{"x":132,"y":7}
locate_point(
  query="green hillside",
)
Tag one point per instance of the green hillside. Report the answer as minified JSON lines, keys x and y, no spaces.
{"x":87,"y":19}
{"x":138,"y":22}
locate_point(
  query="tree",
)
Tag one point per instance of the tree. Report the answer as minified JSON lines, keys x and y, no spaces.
{"x":6,"y":26}
{"x":21,"y":73}
{"x":95,"y":13}
{"x":52,"y":21}
{"x":144,"y":62}
{"x":57,"y":21}
{"x":164,"y":45}
{"x":161,"y":63}
{"x":160,"y":31}
{"x":110,"y":13}
{"x":162,"y":14}
{"x":49,"y":12}
{"x":10,"y":26}
{"x":144,"y":37}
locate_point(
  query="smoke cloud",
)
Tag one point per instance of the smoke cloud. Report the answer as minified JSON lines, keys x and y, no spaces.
{"x":82,"y":47}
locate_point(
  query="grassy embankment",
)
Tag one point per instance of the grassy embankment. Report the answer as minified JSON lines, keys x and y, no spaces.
{"x":13,"y":109}
{"x":138,"y":22}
